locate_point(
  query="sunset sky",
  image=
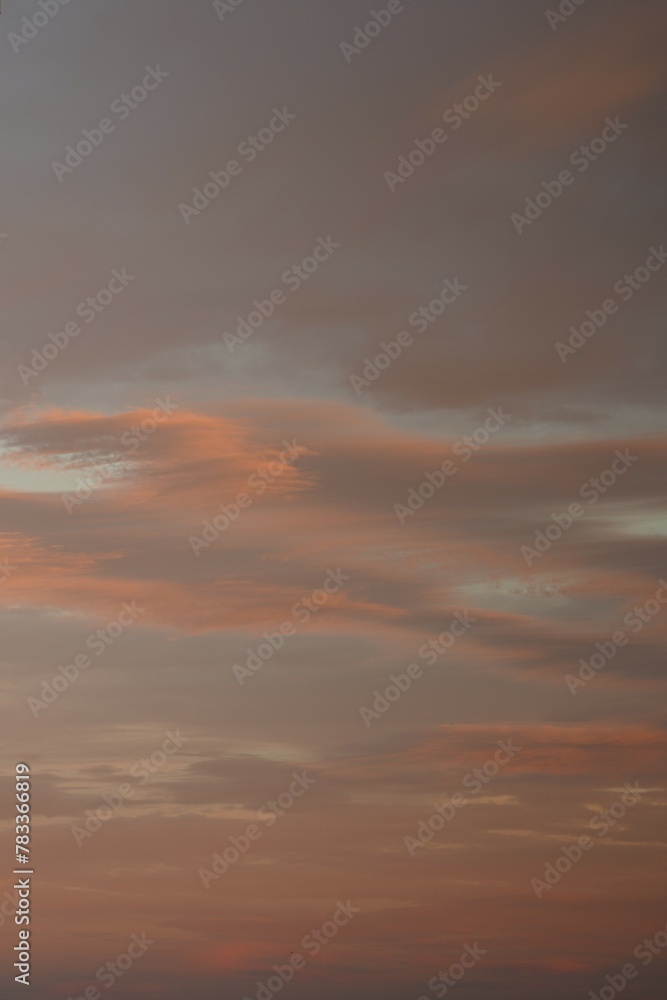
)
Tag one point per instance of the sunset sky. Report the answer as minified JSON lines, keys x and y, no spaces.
{"x":200,"y":457}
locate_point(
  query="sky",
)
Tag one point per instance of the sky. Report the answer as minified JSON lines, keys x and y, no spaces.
{"x":332,"y":534}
